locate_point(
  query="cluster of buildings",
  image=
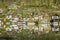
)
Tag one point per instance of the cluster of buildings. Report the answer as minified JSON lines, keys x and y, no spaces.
{"x":36,"y":22}
{"x":55,"y":22}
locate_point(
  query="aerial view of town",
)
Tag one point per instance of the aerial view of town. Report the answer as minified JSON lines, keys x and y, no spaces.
{"x":29,"y":19}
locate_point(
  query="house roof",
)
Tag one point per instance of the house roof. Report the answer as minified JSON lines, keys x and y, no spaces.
{"x":40,"y":17}
{"x":55,"y":16}
{"x":8,"y":29}
{"x":9,"y":16}
{"x":45,"y":23}
{"x":55,"y":24}
{"x":30,"y":23}
{"x":46,"y":17}
{"x":55,"y":29}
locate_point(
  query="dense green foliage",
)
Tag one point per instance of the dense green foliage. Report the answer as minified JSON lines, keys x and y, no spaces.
{"x":27,"y":35}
